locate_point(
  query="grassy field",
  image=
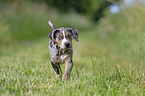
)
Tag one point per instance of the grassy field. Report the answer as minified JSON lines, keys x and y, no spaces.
{"x":109,"y":58}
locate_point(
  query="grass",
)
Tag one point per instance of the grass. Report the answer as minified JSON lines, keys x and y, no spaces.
{"x":109,"y":58}
{"x":28,"y":71}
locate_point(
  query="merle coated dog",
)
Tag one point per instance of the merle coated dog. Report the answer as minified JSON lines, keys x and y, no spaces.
{"x":61,"y":51}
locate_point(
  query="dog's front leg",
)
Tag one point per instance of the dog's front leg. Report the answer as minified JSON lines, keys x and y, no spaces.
{"x":57,"y":68}
{"x":68,"y":68}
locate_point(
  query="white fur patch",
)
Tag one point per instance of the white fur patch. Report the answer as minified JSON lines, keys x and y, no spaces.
{"x":63,"y":57}
{"x":63,"y":41}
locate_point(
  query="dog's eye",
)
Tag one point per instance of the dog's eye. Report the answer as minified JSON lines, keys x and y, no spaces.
{"x":59,"y":37}
{"x":69,"y":36}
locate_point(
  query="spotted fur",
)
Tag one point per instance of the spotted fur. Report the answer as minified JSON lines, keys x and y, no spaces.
{"x":61,"y":51}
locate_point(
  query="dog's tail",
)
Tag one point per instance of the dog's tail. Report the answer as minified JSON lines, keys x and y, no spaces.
{"x":52,"y":26}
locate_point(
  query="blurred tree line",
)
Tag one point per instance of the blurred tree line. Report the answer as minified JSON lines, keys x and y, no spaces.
{"x":92,"y":8}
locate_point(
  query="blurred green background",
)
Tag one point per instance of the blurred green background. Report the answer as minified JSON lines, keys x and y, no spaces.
{"x":110,"y":54}
{"x":24,"y":20}
{"x":120,"y":22}
{"x":27,"y":19}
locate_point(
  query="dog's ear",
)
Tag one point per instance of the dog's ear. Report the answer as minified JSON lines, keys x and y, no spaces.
{"x":53,"y":35}
{"x":75,"y":33}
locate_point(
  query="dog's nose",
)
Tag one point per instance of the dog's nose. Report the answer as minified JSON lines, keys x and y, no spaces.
{"x":67,"y":44}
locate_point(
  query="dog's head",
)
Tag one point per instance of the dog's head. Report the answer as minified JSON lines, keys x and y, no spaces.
{"x":63,"y":37}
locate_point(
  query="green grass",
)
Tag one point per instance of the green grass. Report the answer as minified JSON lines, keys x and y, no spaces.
{"x":109,"y":58}
{"x":27,"y":70}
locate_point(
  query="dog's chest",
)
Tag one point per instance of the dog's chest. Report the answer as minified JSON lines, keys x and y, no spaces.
{"x":55,"y":54}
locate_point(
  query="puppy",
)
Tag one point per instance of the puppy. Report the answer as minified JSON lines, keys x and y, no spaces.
{"x":61,"y":51}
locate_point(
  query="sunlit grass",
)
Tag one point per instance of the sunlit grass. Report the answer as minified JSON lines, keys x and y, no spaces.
{"x":28,"y":71}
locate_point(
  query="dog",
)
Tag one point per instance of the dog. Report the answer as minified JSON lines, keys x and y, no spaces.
{"x":61,"y":51}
